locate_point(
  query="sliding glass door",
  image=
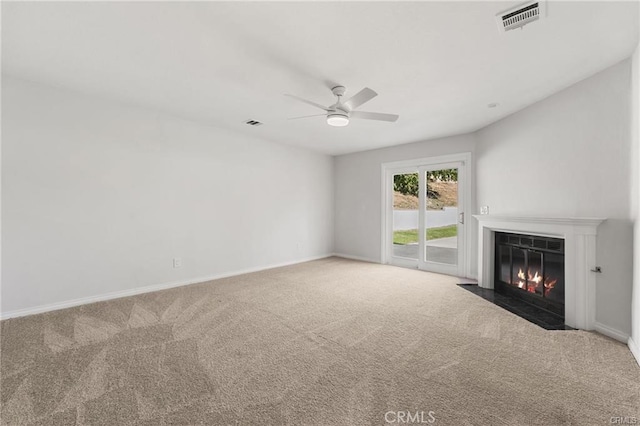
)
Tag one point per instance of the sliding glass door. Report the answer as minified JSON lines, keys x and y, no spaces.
{"x":405,"y":206}
{"x":425,"y":217}
{"x":442,"y":218}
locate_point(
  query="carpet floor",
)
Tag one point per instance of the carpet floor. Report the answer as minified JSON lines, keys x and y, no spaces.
{"x":329,"y":342}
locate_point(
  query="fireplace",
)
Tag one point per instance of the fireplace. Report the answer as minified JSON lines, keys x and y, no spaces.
{"x":531,"y":268}
{"x":580,"y":266}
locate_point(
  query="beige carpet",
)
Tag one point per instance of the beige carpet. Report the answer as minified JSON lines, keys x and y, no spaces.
{"x":330,"y":342}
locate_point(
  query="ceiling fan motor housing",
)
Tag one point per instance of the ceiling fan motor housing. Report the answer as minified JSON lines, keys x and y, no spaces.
{"x":339,"y":90}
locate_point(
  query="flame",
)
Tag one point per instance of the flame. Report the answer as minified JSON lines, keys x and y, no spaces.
{"x":534,"y":282}
{"x":536,"y":278}
{"x":549,"y":285}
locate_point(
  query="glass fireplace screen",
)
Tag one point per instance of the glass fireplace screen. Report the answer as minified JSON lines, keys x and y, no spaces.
{"x":532,"y":264}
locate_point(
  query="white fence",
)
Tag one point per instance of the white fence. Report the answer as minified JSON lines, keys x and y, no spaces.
{"x":408,"y":219}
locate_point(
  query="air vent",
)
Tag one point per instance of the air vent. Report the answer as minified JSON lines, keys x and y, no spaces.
{"x":538,"y":243}
{"x":531,"y":242}
{"x":253,"y":123}
{"x":555,"y":245}
{"x":520,"y":16}
{"x":526,"y":242}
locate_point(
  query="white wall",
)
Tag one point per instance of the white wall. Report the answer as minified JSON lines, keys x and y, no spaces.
{"x":99,"y":197}
{"x":634,"y":342}
{"x":359,"y":197}
{"x":568,"y":155}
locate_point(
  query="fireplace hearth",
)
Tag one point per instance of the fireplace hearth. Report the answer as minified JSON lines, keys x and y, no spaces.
{"x":531,"y":268}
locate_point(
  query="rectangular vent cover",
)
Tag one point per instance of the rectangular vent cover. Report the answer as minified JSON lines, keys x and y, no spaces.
{"x":520,"y":16}
{"x":525,"y":241}
{"x":253,"y":123}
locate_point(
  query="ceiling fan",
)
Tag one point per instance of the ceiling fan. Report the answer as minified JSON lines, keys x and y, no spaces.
{"x":340,"y":112}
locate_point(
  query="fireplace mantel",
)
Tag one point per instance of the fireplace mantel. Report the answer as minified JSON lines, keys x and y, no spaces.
{"x":580,"y":257}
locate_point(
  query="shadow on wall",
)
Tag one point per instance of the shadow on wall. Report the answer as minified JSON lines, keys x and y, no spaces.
{"x":613,"y":289}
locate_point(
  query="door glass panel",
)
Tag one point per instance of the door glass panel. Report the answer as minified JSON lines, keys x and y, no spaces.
{"x":554,"y":277}
{"x":405,"y":215}
{"x":441,"y":218}
{"x":519,"y":267}
{"x":504,"y":263}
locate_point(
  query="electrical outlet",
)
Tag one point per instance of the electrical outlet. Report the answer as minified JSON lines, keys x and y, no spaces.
{"x":177,"y":262}
{"x":484,"y":210}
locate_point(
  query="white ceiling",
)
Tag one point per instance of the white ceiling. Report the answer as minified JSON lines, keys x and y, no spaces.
{"x":437,"y":64}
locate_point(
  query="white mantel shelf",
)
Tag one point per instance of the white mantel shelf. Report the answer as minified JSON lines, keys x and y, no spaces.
{"x":579,"y":234}
{"x":573,"y":221}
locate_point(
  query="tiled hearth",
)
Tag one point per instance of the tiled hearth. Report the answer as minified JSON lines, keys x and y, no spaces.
{"x":533,"y":314}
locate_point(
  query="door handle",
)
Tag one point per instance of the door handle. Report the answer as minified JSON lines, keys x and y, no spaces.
{"x":461,"y":218}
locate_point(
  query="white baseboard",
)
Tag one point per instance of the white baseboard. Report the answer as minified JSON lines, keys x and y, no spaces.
{"x":362,"y":259}
{"x":147,"y":289}
{"x":611,"y":332}
{"x":635,"y":349}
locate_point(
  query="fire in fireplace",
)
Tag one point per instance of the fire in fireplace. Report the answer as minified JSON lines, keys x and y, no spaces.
{"x":531,"y":268}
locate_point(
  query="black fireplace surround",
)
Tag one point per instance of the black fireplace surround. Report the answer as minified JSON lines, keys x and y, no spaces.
{"x":531,"y":268}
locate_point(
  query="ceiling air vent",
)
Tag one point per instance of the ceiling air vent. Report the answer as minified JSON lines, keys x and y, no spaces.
{"x":253,"y":123}
{"x":520,"y":16}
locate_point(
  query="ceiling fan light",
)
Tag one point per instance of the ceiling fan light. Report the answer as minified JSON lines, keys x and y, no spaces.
{"x":337,"y":120}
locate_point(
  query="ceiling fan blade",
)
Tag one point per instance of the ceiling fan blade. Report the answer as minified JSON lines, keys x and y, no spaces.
{"x":365,"y":95}
{"x":308,"y":102}
{"x":307,"y":116}
{"x":374,"y":116}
